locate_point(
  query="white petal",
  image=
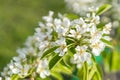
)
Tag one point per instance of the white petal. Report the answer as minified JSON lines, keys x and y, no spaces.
{"x":96,"y":52}
{"x":47,"y":72}
{"x":42,"y":75}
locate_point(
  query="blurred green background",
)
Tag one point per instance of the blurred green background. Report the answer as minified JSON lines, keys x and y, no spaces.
{"x":18,"y":18}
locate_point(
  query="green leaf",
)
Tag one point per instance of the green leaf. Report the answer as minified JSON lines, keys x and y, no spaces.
{"x":73,"y":77}
{"x":65,"y":69}
{"x":85,"y":71}
{"x":93,"y":58}
{"x":64,"y":63}
{"x":92,"y":72}
{"x":100,"y":25}
{"x":103,"y":9}
{"x":56,"y":59}
{"x":57,"y":75}
{"x":72,"y":16}
{"x":14,"y":77}
{"x":95,"y":77}
{"x":109,"y":44}
{"x":99,"y":72}
{"x":42,"y":79}
{"x":49,"y":51}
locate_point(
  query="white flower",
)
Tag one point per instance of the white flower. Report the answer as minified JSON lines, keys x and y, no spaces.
{"x":63,"y":46}
{"x":24,"y":70}
{"x":0,"y":78}
{"x":108,"y":38}
{"x":79,"y":6}
{"x":57,"y":22}
{"x":97,"y":47}
{"x":83,"y":27}
{"x":62,"y":26}
{"x":61,"y":31}
{"x":93,"y":18}
{"x":76,"y":33}
{"x":42,"y":68}
{"x":66,"y":22}
{"x":14,"y":68}
{"x":81,"y":54}
{"x":7,"y":78}
{"x":107,"y":28}
{"x":49,"y":17}
{"x":96,"y":36}
{"x":43,"y":45}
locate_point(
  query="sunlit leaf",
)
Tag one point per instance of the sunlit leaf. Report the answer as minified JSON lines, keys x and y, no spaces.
{"x":99,"y":72}
{"x":103,"y":9}
{"x":50,"y":50}
{"x":72,"y":16}
{"x":85,"y":71}
{"x":15,"y":77}
{"x":92,"y":72}
{"x":57,"y":75}
{"x":56,"y":59}
{"x":65,"y":69}
{"x":109,"y":44}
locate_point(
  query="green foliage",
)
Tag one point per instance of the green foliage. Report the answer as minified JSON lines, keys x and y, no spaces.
{"x":56,"y":75}
{"x":111,"y":57}
{"x":15,"y":77}
{"x":72,"y":16}
{"x":103,"y":9}
{"x":85,"y":71}
{"x":109,"y":44}
{"x":47,"y":52}
{"x":56,"y":59}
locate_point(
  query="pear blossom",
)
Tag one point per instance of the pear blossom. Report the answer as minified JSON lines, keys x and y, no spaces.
{"x":42,"y":68}
{"x":79,"y":6}
{"x":62,"y":26}
{"x":107,"y":28}
{"x":7,"y":78}
{"x":63,"y":47}
{"x":97,"y":47}
{"x":49,"y":17}
{"x":76,"y":33}
{"x":96,"y":36}
{"x":81,"y":54}
{"x":55,"y":32}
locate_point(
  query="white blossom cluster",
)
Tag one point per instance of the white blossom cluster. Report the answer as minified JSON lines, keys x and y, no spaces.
{"x":26,"y":61}
{"x":86,"y":36}
{"x":81,"y":6}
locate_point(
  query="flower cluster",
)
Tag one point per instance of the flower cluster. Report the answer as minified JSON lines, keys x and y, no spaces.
{"x":83,"y":34}
{"x":81,"y":6}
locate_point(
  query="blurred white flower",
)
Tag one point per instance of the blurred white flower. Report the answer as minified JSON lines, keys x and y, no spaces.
{"x":79,"y":6}
{"x":42,"y":68}
{"x":49,"y":17}
{"x":97,"y":47}
{"x":0,"y":78}
{"x":96,"y":36}
{"x":7,"y":78}
{"x":107,"y":28}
